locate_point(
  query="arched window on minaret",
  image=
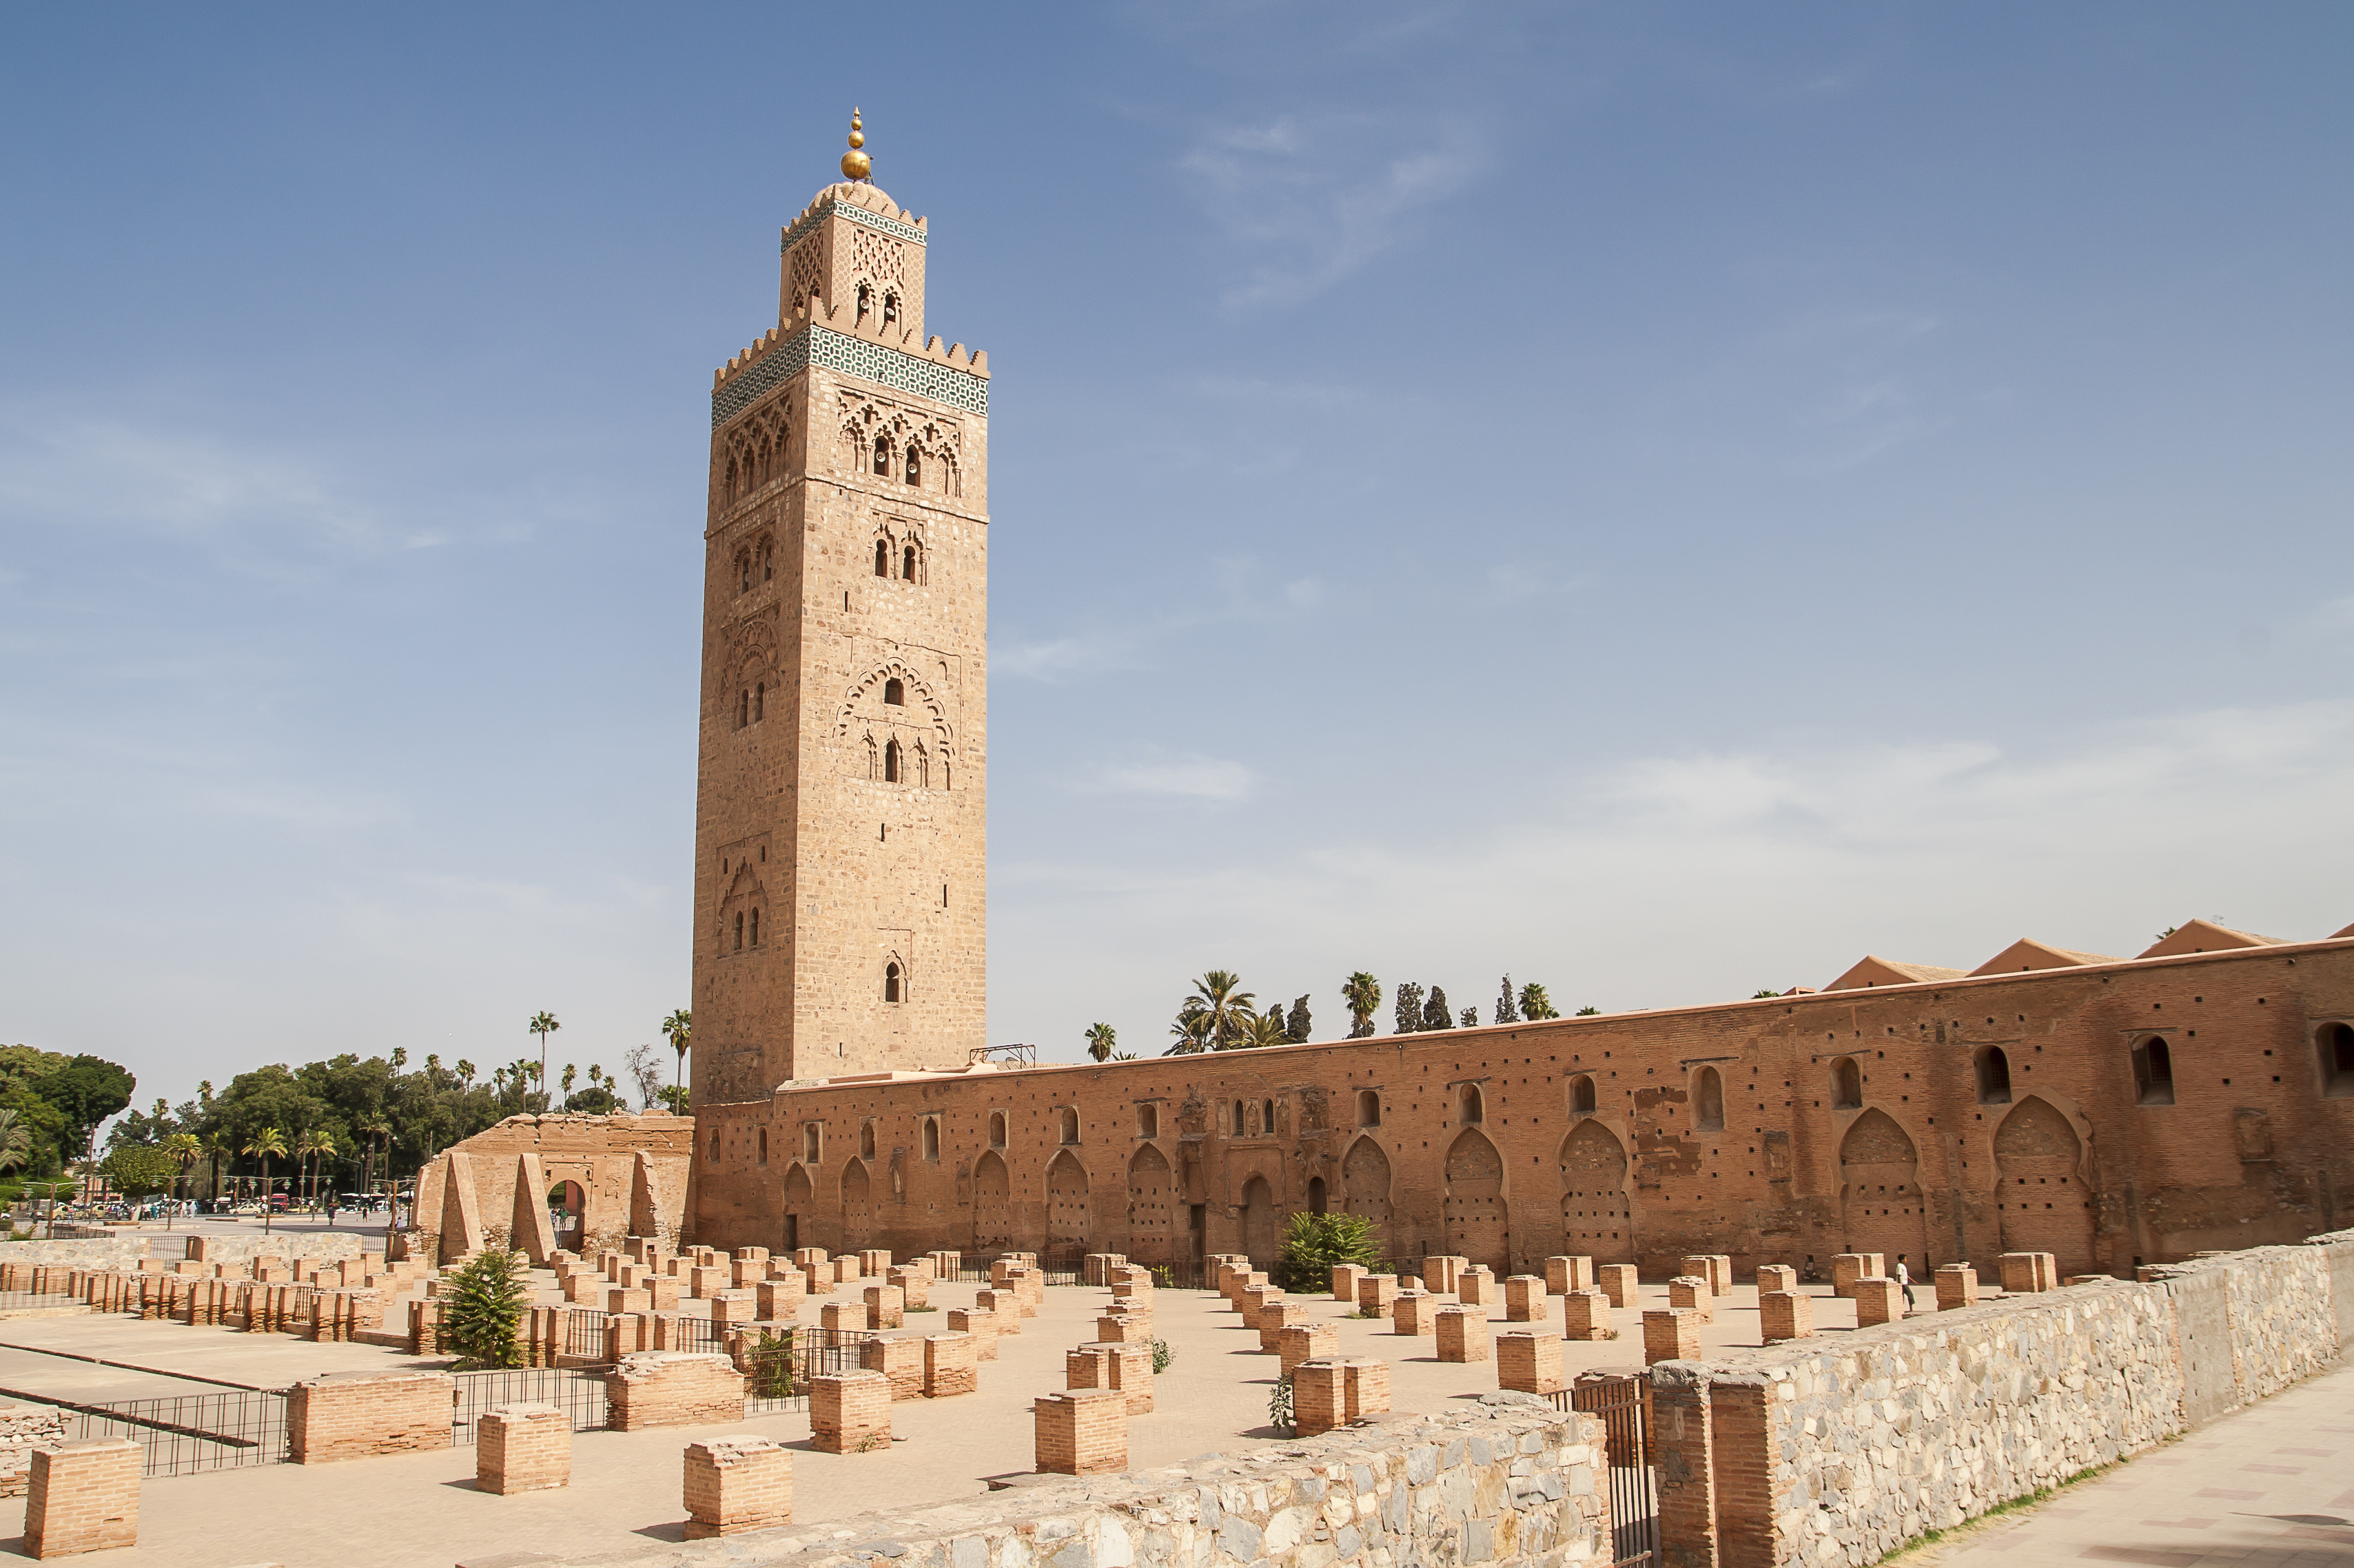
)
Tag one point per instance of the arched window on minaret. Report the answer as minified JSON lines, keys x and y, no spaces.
{"x":882,"y":557}
{"x":743,"y":709}
{"x":908,"y":563}
{"x":895,"y":691}
{"x":739,"y":932}
{"x":865,"y":302}
{"x":914,"y":468}
{"x":756,"y":928}
{"x":890,"y":982}
{"x":891,"y":763}
{"x":890,"y":310}
{"x":882,"y":456}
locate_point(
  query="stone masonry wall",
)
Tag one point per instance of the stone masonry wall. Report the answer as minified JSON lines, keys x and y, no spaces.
{"x":1510,"y":1481}
{"x":1837,"y":1450}
{"x":123,"y":1252}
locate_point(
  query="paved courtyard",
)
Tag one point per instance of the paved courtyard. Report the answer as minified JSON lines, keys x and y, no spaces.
{"x":421,"y":1509}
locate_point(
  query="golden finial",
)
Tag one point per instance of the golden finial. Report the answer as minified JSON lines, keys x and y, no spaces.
{"x":855,"y":165}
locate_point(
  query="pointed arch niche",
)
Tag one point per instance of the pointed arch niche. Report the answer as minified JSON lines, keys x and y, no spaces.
{"x":1474,"y":1203}
{"x":1596,"y":1219}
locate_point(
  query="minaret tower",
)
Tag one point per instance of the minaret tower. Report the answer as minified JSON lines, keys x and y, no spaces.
{"x":841,"y":799}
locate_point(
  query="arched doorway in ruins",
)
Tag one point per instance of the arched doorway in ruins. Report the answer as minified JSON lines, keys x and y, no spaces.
{"x":1882,"y":1206}
{"x":1068,"y":1229}
{"x":992,"y":1220}
{"x":1259,"y":1227}
{"x":1597,"y":1220}
{"x":1152,"y":1197}
{"x":1474,"y":1206}
{"x":2040,"y":1194}
{"x":1365,"y":1187}
{"x":799,"y":1210}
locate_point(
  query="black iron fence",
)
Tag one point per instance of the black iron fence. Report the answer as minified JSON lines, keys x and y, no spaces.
{"x":1634,"y":1495}
{"x":186,"y":1434}
{"x":579,"y":1393}
{"x":584,"y":1333}
{"x":17,"y":1301}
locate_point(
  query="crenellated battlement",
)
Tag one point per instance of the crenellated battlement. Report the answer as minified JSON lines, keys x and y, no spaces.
{"x":843,"y":319}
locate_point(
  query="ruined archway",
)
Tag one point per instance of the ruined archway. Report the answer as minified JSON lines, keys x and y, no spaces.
{"x":1150,"y":1198}
{"x":1365,"y":1187}
{"x":1882,"y":1207}
{"x":1068,"y":1229}
{"x":2041,"y":1195}
{"x":992,"y":1220}
{"x":1476,"y":1226}
{"x":1597,"y":1220}
{"x":857,"y":1208}
{"x":1259,"y":1227}
{"x":801,"y":1210}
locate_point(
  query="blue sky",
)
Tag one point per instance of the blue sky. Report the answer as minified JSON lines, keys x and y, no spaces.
{"x":1657,"y":500}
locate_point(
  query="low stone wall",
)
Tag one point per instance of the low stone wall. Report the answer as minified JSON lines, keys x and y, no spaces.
{"x":23,"y":1428}
{"x":125,"y":1250}
{"x":1509,"y":1480}
{"x":1840,"y":1448}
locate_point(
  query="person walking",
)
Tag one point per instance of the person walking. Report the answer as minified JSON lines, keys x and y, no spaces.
{"x":1905,"y":1281}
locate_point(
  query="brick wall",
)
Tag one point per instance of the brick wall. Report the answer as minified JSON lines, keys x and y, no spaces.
{"x":522,"y":1449}
{"x":735,"y":1484}
{"x":357,"y":1416}
{"x":1081,"y":1432}
{"x":84,"y":1497}
{"x":673,"y":1388}
{"x":850,"y":1412}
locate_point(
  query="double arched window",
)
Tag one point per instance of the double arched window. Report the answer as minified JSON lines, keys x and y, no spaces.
{"x":882,"y":557}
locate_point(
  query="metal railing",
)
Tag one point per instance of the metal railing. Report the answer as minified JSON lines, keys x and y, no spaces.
{"x":187,"y":1434}
{"x":1634,"y":1497}
{"x":17,"y":1301}
{"x":580,"y":1394}
{"x":584,"y":1332}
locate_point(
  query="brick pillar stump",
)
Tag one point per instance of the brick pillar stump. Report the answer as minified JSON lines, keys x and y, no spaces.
{"x":1847,"y":1267}
{"x":1529,"y":1361}
{"x":1004,"y":1305}
{"x":1134,"y":1328}
{"x":1585,"y":1315}
{"x":951,"y":1365}
{"x":1463,"y":1334}
{"x":1087,"y":1366}
{"x":887,"y":1307}
{"x":1344,"y":1280}
{"x":735,"y":1484}
{"x":1413,"y":1313}
{"x":1958,"y":1286}
{"x":672,"y":1388}
{"x":1256,"y":1299}
{"x":1366,"y":1383}
{"x":1775,"y":1276}
{"x":1564,"y":1275}
{"x":779,"y":1300}
{"x":1319,"y":1397}
{"x":914,"y":1284}
{"x":1691,"y":1290}
{"x":1376,"y":1292}
{"x":2024,"y":1272}
{"x":900,"y":1360}
{"x":1670,"y":1334}
{"x":842,"y":1317}
{"x":1878,"y":1301}
{"x":1476,"y":1285}
{"x":82,"y":1496}
{"x":1619,"y":1282}
{"x":1307,"y":1342}
{"x":1524,"y":1299}
{"x":703,"y":1281}
{"x":850,"y":1412}
{"x":522,"y":1449}
{"x":1274,"y":1318}
{"x":1083,"y":1432}
{"x":1132,"y":1374}
{"x":619,"y":1298}
{"x":357,"y":1415}
{"x":1786,"y":1315}
{"x":981,"y":1326}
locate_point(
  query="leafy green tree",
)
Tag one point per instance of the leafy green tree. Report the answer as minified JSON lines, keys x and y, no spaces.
{"x":1506,"y":1012}
{"x":1535,"y":1006}
{"x":1363,"y":995}
{"x":594,"y":1100}
{"x":265,"y":1143}
{"x":1297,"y":1024}
{"x":487,"y":1298}
{"x":1101,"y":1041}
{"x":140,"y":1170}
{"x":675,"y":1100}
{"x":1589,"y":1013}
{"x":86,"y":1091}
{"x":15,"y":1140}
{"x":1761,"y":995}
{"x":1313,"y":1243}
{"x":1409,"y":1007}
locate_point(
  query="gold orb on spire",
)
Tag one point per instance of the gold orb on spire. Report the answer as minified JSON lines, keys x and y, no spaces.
{"x":855,"y":165}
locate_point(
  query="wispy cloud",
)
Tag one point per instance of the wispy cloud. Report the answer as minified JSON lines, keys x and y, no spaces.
{"x":1186,"y":775}
{"x":1305,"y":199}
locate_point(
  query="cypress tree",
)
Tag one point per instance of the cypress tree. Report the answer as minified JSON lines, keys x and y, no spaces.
{"x":1409,"y":1007}
{"x":1296,"y":1027}
{"x":1504,"y":1010}
{"x":1435,"y":1013}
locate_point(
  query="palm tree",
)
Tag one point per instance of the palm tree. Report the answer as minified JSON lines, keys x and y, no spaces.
{"x":368,"y":1130}
{"x":265,"y":1143}
{"x":465,"y":1074}
{"x":184,"y":1148}
{"x":220,"y":1146}
{"x":1192,"y":1029}
{"x":312,"y":1149}
{"x":1265,"y":1030}
{"x":16,"y":1142}
{"x":1100,"y":1040}
{"x":1218,"y":993}
{"x":678,"y":1026}
{"x":1362,"y":994}
{"x":543,"y":1024}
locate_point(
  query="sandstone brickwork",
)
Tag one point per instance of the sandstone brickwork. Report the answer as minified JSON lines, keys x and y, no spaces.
{"x":83,"y":1496}
{"x":673,"y":1388}
{"x":357,"y":1415}
{"x":522,"y":1449}
{"x":734,"y":1484}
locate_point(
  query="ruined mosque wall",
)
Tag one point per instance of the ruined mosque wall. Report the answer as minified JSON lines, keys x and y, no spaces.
{"x":1714,"y":1129}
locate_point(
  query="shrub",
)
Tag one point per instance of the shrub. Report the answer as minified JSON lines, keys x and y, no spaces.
{"x":1313,"y":1243}
{"x":1279,"y":1407}
{"x":487,"y":1299}
{"x":1162,"y":1356}
{"x":772,"y":1365}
